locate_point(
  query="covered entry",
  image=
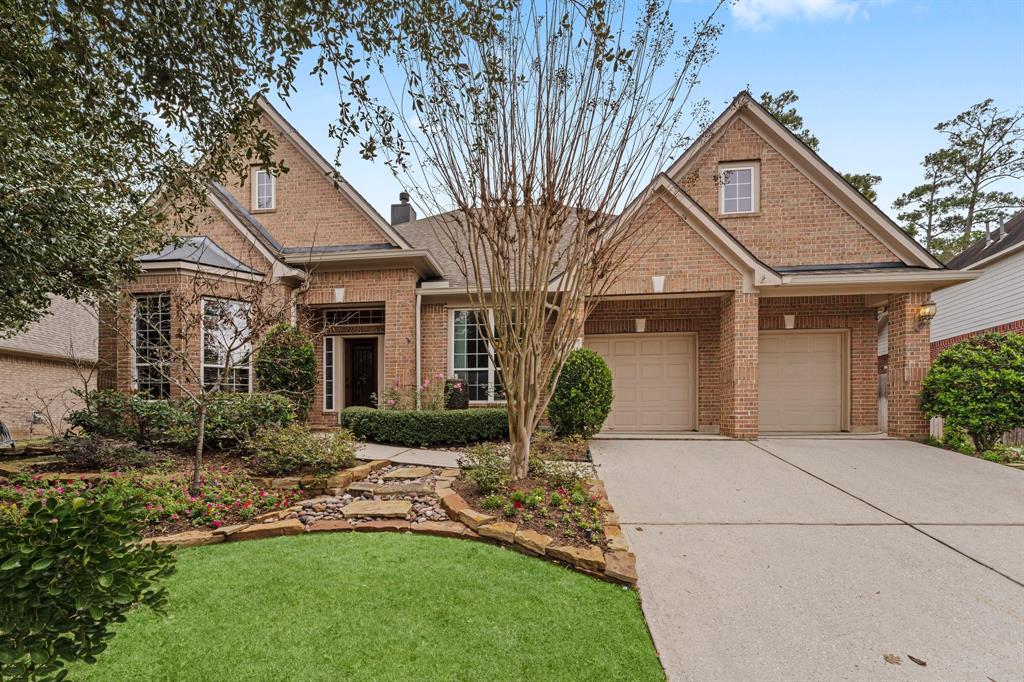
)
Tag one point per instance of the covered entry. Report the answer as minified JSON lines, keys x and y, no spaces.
{"x":654,"y":379}
{"x":802,"y":381}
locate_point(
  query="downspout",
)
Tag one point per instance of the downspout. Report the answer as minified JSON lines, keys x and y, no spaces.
{"x":419,"y":360}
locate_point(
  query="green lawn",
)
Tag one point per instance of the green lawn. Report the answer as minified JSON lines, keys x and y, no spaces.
{"x":351,"y":606}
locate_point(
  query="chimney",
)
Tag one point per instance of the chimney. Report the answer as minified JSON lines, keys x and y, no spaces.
{"x":402,"y":212}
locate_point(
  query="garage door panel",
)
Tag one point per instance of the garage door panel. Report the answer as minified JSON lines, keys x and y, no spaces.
{"x":654,"y":382}
{"x":801,"y":381}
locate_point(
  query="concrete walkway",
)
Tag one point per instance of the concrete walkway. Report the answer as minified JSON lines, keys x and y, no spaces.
{"x":816,"y":559}
{"x":404,"y":455}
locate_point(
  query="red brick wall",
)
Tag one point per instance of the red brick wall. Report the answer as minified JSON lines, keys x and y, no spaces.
{"x":797,"y":223}
{"x":739,"y":366}
{"x":29,"y":384}
{"x":941,"y":345}
{"x":668,"y":246}
{"x":701,"y":315}
{"x":309,"y":209}
{"x":909,"y":359}
{"x":838,"y":312}
{"x":434,"y":340}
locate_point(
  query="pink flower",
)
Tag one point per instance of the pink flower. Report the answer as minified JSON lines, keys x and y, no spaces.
{"x":216,"y":524}
{"x":458,"y":386}
{"x":426,"y":382}
{"x":390,"y":402}
{"x":439,"y":375}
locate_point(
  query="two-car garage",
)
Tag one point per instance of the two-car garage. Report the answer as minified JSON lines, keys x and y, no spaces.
{"x":802,"y":381}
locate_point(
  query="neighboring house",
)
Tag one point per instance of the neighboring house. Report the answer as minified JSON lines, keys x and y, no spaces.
{"x":40,"y":367}
{"x":756,"y":313}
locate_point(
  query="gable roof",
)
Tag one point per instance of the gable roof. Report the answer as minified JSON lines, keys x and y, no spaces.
{"x":198,"y":251}
{"x":984,"y":251}
{"x":330,"y":172}
{"x":824,"y":176}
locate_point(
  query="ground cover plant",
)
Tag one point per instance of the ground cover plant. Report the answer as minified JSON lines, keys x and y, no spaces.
{"x":550,"y":500}
{"x":496,"y":615}
{"x":162,"y":505}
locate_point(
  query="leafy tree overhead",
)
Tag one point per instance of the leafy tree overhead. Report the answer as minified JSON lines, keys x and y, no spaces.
{"x":924,"y":211}
{"x":100,"y":105}
{"x":783,"y":107}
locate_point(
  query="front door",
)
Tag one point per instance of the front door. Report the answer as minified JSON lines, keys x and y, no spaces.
{"x":360,"y":372}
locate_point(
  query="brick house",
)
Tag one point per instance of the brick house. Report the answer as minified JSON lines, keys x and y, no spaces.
{"x":757,"y":312}
{"x":40,"y":367}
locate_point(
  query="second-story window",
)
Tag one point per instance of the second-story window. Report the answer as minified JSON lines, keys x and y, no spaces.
{"x":263,"y":198}
{"x":739,"y":188}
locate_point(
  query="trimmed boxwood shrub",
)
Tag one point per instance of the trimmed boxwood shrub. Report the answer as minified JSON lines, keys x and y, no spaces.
{"x":426,"y":427}
{"x":978,"y":386}
{"x":297,"y":450}
{"x":232,"y":418}
{"x":583,"y":395}
{"x":286,"y":364}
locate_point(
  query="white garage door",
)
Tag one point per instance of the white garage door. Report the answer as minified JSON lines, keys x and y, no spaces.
{"x":801,"y":381}
{"x":654,"y":380}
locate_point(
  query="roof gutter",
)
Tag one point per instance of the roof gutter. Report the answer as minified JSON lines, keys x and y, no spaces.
{"x":419,"y":259}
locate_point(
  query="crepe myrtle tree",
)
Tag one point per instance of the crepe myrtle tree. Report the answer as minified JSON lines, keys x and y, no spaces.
{"x":198,"y":337}
{"x":100,"y":106}
{"x":538,"y":138}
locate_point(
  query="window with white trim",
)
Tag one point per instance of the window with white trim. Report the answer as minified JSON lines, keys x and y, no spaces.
{"x":153,"y":345}
{"x":739,"y":190}
{"x":472,"y":358}
{"x":329,"y":373}
{"x":263,"y":198}
{"x":227,"y":347}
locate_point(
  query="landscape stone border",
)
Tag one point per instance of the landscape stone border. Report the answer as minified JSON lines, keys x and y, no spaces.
{"x":618,"y":564}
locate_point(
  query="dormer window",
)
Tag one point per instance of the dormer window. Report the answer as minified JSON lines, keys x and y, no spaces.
{"x":263,"y":198}
{"x":739,"y":190}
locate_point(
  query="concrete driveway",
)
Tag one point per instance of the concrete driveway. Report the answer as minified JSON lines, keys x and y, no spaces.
{"x":817,"y":559}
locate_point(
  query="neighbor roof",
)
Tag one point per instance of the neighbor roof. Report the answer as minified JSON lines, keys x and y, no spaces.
{"x":982,"y":250}
{"x":200,"y":251}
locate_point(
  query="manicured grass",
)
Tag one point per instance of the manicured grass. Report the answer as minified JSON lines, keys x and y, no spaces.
{"x":353,"y":606}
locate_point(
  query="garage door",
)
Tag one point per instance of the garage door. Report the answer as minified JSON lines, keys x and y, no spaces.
{"x":801,"y":381}
{"x":654,"y":380}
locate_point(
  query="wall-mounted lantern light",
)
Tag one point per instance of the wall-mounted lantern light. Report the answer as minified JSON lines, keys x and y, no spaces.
{"x":789,"y":321}
{"x":658,"y":284}
{"x":926,"y":313}
{"x":640,"y":324}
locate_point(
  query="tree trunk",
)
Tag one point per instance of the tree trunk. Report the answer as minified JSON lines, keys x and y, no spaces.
{"x":519,"y":432}
{"x":197,"y":464}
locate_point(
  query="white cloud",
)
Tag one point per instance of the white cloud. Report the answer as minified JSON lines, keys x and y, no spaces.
{"x":758,"y":15}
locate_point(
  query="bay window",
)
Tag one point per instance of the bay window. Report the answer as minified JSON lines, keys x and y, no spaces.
{"x":152,"y":334}
{"x":227,"y":346}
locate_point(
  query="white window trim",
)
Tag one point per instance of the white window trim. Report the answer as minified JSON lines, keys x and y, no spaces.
{"x":135,"y":344}
{"x":202,"y":344}
{"x":755,"y":186}
{"x":254,"y":184}
{"x":491,"y":371}
{"x":330,"y":374}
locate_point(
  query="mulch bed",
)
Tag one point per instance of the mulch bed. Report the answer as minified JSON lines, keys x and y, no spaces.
{"x":538,"y":523}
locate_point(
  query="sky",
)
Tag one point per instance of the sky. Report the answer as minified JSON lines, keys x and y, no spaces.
{"x":874,"y":78}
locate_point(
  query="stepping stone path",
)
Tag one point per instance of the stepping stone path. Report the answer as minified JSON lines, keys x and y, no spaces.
{"x":394,"y":492}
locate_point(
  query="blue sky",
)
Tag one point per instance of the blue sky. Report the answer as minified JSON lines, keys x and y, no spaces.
{"x":873,"y":77}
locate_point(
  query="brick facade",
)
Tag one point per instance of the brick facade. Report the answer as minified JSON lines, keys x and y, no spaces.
{"x":909,"y":359}
{"x":33,"y":384}
{"x":797,"y":223}
{"x":738,"y":360}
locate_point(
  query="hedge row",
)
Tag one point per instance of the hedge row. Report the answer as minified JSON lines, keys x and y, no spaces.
{"x":426,"y":427}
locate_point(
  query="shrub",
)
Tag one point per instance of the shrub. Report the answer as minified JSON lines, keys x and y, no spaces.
{"x":233,"y":418}
{"x":113,"y":414}
{"x":286,"y":364}
{"x":456,"y":394}
{"x":91,"y":453}
{"x":297,"y":450}
{"x":69,"y":570}
{"x":978,"y":386}
{"x":486,"y":466}
{"x":583,"y":395}
{"x":426,"y":427}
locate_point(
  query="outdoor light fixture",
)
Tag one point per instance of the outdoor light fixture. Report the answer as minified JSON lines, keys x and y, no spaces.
{"x":789,"y":321}
{"x":926,"y":313}
{"x":658,"y":284}
{"x":641,"y":325}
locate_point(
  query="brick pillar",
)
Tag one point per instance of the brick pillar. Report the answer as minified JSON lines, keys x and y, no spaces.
{"x":738,"y":361}
{"x":909,"y":359}
{"x":400,"y":336}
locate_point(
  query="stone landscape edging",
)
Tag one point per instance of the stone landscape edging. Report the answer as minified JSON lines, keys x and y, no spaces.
{"x":618,"y":564}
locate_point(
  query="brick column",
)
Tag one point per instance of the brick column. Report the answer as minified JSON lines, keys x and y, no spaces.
{"x":909,"y":359}
{"x":738,"y":362}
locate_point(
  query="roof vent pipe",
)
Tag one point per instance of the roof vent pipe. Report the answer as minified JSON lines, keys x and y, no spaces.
{"x":402,"y":212}
{"x":988,"y":234}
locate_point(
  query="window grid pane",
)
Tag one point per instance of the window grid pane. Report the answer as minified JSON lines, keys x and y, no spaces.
{"x":152,"y":345}
{"x":264,"y":190}
{"x":329,"y":373}
{"x":470,"y":358}
{"x":226,"y":345}
{"x":737,"y":190}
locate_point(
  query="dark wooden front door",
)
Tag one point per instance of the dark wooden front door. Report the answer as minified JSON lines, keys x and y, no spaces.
{"x":360,"y":372}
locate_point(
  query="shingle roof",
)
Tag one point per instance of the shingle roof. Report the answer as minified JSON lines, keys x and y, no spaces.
{"x":1013,"y":230}
{"x":198,"y":250}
